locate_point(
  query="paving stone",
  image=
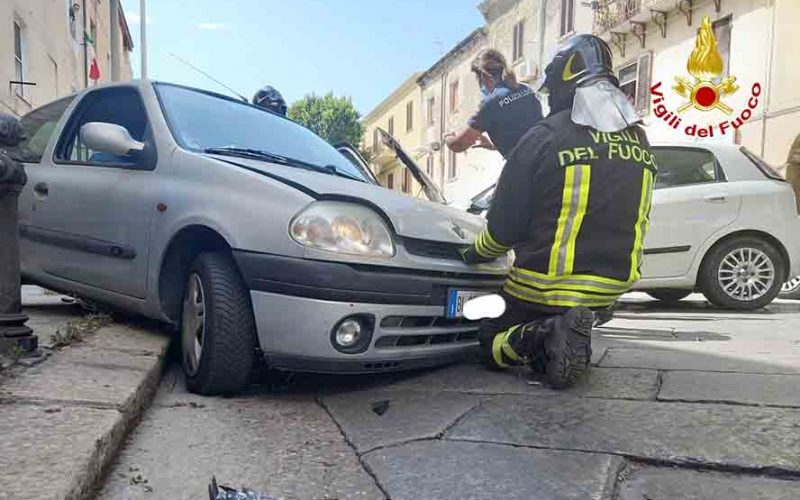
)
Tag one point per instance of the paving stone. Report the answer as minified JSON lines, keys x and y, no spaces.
{"x":458,"y":470}
{"x":707,"y":359}
{"x":680,"y":432}
{"x":409,"y":414}
{"x":669,"y":484}
{"x":134,"y":338}
{"x":81,"y":353}
{"x":54,"y":451}
{"x":283,"y":445}
{"x":746,"y":388}
{"x":470,"y":377}
{"x":617,"y":383}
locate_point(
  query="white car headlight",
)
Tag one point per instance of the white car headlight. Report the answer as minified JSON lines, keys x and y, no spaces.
{"x":342,"y":227}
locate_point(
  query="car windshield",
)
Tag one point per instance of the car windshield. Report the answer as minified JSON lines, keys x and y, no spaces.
{"x":202,"y":121}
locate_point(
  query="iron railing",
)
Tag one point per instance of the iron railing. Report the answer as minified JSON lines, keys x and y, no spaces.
{"x":609,"y":14}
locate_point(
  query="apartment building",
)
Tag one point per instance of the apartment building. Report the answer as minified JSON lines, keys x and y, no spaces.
{"x":653,"y":39}
{"x":52,"y":48}
{"x":399,"y":115}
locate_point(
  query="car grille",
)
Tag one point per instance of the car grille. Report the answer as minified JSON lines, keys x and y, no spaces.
{"x":431,"y":330}
{"x":434,"y":249}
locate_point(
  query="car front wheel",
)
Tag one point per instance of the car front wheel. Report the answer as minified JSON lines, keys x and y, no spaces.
{"x":742,"y":273}
{"x":791,"y":289}
{"x":218,"y":337}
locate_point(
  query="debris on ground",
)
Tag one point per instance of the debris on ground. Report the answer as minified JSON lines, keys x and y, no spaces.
{"x":380,"y":407}
{"x":218,"y":492}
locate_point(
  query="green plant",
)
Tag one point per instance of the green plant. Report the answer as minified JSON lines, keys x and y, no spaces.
{"x":76,"y":330}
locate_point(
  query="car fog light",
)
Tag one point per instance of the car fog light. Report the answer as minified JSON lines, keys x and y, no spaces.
{"x":349,"y":332}
{"x":353,"y":334}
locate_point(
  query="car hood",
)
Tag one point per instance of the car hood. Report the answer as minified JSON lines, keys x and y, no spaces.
{"x":411,"y":217}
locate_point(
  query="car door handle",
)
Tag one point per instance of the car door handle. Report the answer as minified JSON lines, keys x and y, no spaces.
{"x":716,"y":198}
{"x":42,"y":188}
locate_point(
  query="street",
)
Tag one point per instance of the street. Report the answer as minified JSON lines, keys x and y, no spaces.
{"x":683,"y":402}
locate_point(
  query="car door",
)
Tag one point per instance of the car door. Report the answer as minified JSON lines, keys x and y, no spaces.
{"x":691,"y":201}
{"x":89,"y":220}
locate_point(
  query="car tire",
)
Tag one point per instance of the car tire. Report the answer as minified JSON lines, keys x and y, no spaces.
{"x":669,"y":295}
{"x":218,"y":335}
{"x":749,"y":268}
{"x":791,"y":289}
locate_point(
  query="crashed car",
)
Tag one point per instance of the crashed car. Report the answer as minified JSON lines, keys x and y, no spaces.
{"x":723,"y":223}
{"x":244,"y":230}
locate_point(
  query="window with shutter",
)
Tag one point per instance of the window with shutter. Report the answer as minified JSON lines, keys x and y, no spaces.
{"x":567,"y":16}
{"x":519,"y":41}
{"x":391,"y":125}
{"x":722,"y":32}
{"x":410,"y":116}
{"x":642,"y":102}
{"x":390,"y":181}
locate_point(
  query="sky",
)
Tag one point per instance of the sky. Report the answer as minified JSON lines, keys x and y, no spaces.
{"x":359,"y":48}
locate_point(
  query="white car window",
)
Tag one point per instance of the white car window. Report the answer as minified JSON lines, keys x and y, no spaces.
{"x":685,"y":166}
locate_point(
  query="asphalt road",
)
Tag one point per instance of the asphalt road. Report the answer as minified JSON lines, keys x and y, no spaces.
{"x":682,"y":402}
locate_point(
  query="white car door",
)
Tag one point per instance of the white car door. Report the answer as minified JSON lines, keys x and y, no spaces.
{"x":88,"y":213}
{"x":691,"y":202}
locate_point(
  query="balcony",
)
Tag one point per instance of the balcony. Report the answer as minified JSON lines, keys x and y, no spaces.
{"x":614,"y":20}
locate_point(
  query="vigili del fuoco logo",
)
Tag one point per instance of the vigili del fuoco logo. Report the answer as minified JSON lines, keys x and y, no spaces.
{"x":705,"y":91}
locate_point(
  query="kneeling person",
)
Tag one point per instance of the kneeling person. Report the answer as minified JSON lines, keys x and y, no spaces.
{"x":573,"y":202}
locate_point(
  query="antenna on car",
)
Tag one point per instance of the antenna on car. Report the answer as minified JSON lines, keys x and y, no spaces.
{"x":192,"y":66}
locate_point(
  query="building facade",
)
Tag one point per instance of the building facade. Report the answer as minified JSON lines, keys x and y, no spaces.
{"x":652,"y":41}
{"x":49,"y":47}
{"x":450,"y":96}
{"x":399,"y":115}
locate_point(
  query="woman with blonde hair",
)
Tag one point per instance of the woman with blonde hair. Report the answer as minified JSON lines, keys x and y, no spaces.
{"x":508,"y":108}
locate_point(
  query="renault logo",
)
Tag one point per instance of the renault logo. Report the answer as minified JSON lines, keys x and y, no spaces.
{"x":457,"y":229}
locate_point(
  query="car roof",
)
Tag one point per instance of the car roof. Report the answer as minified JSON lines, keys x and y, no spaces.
{"x":710,"y":145}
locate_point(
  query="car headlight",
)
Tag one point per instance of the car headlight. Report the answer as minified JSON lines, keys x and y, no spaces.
{"x":342,"y":227}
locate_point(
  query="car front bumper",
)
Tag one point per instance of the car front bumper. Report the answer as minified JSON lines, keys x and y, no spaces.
{"x":298,"y":302}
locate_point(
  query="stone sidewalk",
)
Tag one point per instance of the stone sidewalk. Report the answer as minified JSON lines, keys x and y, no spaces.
{"x":685,"y":402}
{"x":64,"y":415}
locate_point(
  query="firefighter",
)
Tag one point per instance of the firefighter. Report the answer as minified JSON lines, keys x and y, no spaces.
{"x":270,"y":99}
{"x":573,"y":202}
{"x":508,"y":108}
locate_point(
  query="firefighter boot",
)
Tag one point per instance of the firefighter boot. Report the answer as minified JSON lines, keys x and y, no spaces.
{"x":568,"y":347}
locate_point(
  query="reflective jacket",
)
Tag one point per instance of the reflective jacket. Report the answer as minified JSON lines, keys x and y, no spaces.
{"x":574,"y":204}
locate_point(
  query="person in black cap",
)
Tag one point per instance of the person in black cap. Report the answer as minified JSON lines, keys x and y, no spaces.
{"x":508,"y":108}
{"x":270,"y":99}
{"x":573,"y":202}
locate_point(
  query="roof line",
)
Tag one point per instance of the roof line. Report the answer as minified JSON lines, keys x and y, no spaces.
{"x":477,"y":34}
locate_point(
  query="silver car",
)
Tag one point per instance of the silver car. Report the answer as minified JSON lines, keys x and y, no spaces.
{"x":246,"y":231}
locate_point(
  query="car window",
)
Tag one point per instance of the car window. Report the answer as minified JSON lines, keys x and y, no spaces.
{"x":202,"y":120}
{"x":121,"y":106}
{"x":684,"y":166}
{"x":39,"y":126}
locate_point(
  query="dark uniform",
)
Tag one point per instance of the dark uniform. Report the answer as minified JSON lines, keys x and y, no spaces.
{"x":574,"y":204}
{"x":506,"y":114}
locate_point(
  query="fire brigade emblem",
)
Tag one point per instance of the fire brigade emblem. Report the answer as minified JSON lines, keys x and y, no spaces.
{"x":707,"y":89}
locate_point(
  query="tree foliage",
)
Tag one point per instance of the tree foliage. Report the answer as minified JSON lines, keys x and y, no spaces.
{"x":335,"y":119}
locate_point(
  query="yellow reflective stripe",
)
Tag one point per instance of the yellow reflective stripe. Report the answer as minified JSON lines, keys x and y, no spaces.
{"x":573,"y":277}
{"x":557,"y":297}
{"x":497,"y":352}
{"x":492,"y":243}
{"x":486,"y":246}
{"x":506,"y":347}
{"x":583,"y":201}
{"x":563,"y":217}
{"x":642,"y":223}
{"x":568,"y":283}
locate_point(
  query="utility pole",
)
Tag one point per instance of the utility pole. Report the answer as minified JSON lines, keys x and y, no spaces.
{"x":115,"y":40}
{"x":143,"y":41}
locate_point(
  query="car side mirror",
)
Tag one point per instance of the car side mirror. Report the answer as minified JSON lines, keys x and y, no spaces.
{"x":479,"y":206}
{"x":110,"y":138}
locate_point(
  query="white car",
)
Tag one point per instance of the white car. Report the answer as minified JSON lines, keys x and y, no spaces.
{"x":722,"y":223}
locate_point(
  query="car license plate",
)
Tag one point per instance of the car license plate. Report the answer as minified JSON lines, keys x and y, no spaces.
{"x":457,"y":298}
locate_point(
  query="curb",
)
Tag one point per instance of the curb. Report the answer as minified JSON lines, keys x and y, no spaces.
{"x":63,"y":421}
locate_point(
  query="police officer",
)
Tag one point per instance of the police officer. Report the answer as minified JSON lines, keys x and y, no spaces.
{"x":270,"y":99}
{"x":573,"y":201}
{"x":508,"y":109}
